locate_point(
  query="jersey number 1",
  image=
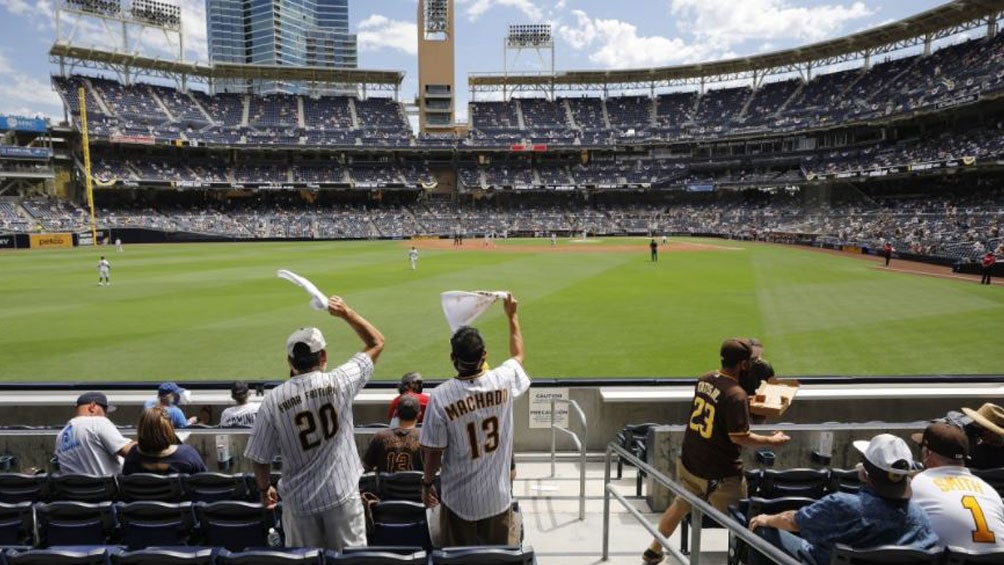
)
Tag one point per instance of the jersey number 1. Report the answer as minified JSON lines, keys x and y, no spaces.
{"x":491,"y":428}
{"x":307,"y":424}
{"x":982,"y":534}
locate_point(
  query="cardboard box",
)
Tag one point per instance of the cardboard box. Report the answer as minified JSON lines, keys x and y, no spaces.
{"x":773,"y":398}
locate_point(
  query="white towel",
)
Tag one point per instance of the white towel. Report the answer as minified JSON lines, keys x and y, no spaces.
{"x":318,"y":300}
{"x":462,"y":307}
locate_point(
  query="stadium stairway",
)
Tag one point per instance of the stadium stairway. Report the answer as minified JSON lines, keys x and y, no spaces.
{"x":550,"y":509}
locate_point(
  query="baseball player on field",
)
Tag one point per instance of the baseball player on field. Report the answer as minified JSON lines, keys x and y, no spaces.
{"x":468,"y":432}
{"x":103,"y":268}
{"x":308,"y":420}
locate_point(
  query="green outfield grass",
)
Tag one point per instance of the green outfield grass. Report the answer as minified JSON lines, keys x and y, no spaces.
{"x":217,"y":311}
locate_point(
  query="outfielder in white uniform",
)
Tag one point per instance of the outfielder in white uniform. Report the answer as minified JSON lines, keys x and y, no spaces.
{"x":103,"y":267}
{"x":413,"y":258}
{"x":964,"y":510}
{"x":468,"y":431}
{"x":308,"y":420}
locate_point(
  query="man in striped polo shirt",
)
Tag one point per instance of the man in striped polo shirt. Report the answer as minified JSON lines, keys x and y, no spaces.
{"x":308,"y":420}
{"x":468,"y":431}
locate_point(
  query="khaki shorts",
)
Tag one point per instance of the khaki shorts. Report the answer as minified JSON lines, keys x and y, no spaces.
{"x":723,"y":492}
{"x":494,"y":530}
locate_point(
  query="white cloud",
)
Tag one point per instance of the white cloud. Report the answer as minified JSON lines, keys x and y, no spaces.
{"x":380,"y":32}
{"x":477,"y":8}
{"x":23,"y":94}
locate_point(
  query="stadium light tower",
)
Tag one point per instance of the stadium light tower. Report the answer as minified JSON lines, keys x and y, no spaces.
{"x":537,"y":38}
{"x":436,"y":66}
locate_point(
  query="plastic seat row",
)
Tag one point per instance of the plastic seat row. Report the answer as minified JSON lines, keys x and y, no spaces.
{"x":378,"y":555}
{"x":200,"y":487}
{"x":402,"y":485}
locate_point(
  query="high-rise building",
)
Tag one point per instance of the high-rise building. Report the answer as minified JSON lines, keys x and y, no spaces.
{"x":280,"y":32}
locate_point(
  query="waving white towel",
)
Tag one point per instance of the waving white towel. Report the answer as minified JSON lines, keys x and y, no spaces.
{"x":462,"y":307}
{"x":318,"y":300}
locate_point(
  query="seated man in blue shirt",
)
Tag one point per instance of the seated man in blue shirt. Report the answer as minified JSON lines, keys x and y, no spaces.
{"x":881,"y":513}
{"x":168,"y":397}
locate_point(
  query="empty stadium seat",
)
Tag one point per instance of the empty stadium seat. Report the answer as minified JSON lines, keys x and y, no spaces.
{"x":963,"y":556}
{"x":403,"y":485}
{"x":272,"y":557}
{"x":95,"y":556}
{"x":74,"y":523}
{"x":159,"y":556}
{"x":18,"y":487}
{"x":400,"y":522}
{"x":632,"y":438}
{"x":778,"y":483}
{"x":378,"y":555}
{"x":17,"y":524}
{"x":483,"y":555}
{"x":234,"y":525}
{"x":82,"y":488}
{"x":993,"y":477}
{"x":844,"y":480}
{"x":369,"y":483}
{"x":150,"y":487}
{"x":213,"y":487}
{"x":146,"y":524}
{"x":886,"y":555}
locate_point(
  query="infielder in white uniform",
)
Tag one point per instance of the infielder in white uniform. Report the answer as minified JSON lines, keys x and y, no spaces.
{"x":964,"y":510}
{"x":308,"y":420}
{"x":103,"y":267}
{"x":413,"y":257}
{"x":468,"y":431}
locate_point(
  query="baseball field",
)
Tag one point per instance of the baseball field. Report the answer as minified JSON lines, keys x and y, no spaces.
{"x":597,"y":308}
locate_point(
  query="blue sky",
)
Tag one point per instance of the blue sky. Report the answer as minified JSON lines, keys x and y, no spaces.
{"x":589,"y":33}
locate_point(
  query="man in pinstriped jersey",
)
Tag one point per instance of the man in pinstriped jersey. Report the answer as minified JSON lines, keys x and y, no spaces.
{"x":468,"y":431}
{"x":308,"y":420}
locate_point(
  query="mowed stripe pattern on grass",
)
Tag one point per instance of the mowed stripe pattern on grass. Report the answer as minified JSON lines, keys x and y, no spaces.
{"x":217,"y":311}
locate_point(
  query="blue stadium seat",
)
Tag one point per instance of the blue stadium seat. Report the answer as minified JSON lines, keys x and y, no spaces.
{"x":82,"y":488}
{"x":146,"y":524}
{"x":149,"y":487}
{"x":159,"y":556}
{"x":65,"y":556}
{"x":74,"y":523}
{"x":886,"y":555}
{"x":400,"y":522}
{"x":18,"y":487}
{"x":403,"y":485}
{"x":778,"y":483}
{"x":377,"y":555}
{"x":963,"y":556}
{"x":214,"y":487}
{"x":292,"y":556}
{"x":483,"y":555}
{"x":17,"y":524}
{"x":234,"y":525}
{"x":369,"y":483}
{"x":844,"y":480}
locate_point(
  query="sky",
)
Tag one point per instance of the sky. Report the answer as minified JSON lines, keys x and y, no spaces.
{"x":590,"y":34}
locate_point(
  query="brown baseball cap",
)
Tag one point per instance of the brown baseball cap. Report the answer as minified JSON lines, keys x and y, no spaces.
{"x":944,"y":439}
{"x":735,"y":350}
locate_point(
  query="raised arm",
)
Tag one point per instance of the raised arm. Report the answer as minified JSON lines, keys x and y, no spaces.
{"x":371,"y":337}
{"x":516,"y":350}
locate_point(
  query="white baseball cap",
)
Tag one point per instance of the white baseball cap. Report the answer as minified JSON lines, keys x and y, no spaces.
{"x":311,"y":337}
{"x":889,"y":453}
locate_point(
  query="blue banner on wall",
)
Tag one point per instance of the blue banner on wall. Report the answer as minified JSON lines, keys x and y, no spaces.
{"x":15,"y":152}
{"x":21,"y":123}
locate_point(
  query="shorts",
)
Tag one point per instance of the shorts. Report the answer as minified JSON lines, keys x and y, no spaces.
{"x":494,"y":530}
{"x":335,"y":528}
{"x":720,"y":493}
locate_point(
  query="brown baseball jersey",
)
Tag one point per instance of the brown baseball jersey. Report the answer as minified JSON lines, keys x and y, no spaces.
{"x":394,"y":450}
{"x":719,"y":412}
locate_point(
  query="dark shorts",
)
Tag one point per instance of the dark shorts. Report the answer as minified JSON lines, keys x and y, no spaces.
{"x":494,"y":530}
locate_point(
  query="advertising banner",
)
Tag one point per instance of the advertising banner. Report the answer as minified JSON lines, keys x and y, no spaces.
{"x":49,"y":240}
{"x":21,"y":123}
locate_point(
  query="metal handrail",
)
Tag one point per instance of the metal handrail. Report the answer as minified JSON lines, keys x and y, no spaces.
{"x":700,"y":508}
{"x":579,"y":444}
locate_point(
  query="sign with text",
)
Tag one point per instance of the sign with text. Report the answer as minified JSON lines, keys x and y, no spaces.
{"x":41,"y":240}
{"x":540,"y":407}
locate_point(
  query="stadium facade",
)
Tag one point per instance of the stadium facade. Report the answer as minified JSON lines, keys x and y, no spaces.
{"x":297,"y":33}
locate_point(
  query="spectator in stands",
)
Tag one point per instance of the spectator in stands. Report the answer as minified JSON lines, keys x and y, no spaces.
{"x":243,"y":414}
{"x":468,"y":431}
{"x":411,"y":385}
{"x":964,"y":510}
{"x":90,"y":444}
{"x":397,"y":449}
{"x":710,"y":466}
{"x":169,"y":395}
{"x":881,"y":513}
{"x":308,"y":421}
{"x":158,"y":449}
{"x":986,"y":436}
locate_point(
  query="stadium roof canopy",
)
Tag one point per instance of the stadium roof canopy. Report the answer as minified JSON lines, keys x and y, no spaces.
{"x":65,"y":53}
{"x":944,"y":21}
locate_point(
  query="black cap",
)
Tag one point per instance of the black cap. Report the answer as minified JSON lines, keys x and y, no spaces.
{"x":98,"y":398}
{"x":239,"y":389}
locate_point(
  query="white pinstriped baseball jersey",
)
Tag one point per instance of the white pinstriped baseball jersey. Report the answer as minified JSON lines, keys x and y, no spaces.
{"x":308,"y":420}
{"x":964,"y":510}
{"x":471,"y":420}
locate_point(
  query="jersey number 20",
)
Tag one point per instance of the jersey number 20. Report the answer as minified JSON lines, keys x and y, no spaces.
{"x":307,"y":424}
{"x":491,"y":428}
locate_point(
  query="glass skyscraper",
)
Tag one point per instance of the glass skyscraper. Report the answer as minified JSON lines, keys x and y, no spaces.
{"x":280,"y":32}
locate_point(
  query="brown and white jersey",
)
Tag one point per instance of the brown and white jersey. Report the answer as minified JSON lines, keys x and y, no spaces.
{"x":394,"y":450}
{"x":308,"y":420}
{"x":470,"y":419}
{"x":719,"y":411}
